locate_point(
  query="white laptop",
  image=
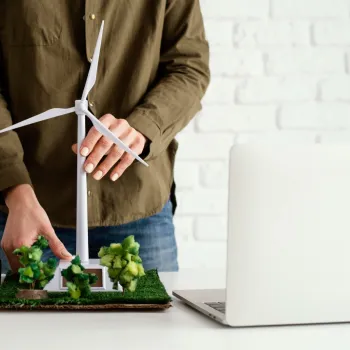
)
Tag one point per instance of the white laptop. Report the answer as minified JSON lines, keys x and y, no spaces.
{"x":288,"y":250}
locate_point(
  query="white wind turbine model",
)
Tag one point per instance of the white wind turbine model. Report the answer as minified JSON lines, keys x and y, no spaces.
{"x":81,"y":109}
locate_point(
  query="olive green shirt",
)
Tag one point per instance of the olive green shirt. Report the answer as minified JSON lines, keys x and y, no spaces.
{"x":153,"y":71}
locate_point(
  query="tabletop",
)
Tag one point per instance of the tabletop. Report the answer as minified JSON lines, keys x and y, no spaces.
{"x":179,"y":327}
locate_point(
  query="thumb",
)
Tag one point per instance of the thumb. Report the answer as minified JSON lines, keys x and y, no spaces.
{"x":74,"y":148}
{"x":57,"y":246}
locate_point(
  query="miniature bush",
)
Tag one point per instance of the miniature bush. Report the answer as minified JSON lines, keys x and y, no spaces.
{"x":78,"y":282}
{"x":35,"y":273}
{"x":123,"y":262}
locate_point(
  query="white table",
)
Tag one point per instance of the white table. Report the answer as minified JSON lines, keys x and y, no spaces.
{"x":179,"y":328}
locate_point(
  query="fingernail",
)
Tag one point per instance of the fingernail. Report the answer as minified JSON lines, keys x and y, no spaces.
{"x":98,"y":175}
{"x":84,"y":152}
{"x":66,"y":254}
{"x":89,"y":168}
{"x":115,"y":177}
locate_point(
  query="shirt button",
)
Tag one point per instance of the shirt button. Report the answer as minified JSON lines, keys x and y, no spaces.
{"x":91,"y":104}
{"x":92,"y":16}
{"x":90,"y":59}
{"x":89,"y":193}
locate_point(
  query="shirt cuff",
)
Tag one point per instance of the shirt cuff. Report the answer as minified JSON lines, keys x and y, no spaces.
{"x":141,"y":121}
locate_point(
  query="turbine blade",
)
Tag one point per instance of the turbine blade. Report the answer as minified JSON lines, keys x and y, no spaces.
{"x":91,"y":79}
{"x":51,"y":113}
{"x":107,"y":133}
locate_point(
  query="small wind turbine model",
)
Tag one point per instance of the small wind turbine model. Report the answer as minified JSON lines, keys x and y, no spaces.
{"x":81,"y":109}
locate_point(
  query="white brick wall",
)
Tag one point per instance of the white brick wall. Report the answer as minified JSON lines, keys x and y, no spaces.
{"x":280,"y":71}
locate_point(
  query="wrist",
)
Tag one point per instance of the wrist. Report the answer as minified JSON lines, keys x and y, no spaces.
{"x":20,"y":195}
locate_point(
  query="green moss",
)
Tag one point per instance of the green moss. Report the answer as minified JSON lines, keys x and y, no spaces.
{"x":150,"y":290}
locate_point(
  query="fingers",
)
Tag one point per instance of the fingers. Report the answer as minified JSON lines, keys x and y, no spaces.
{"x":95,"y":147}
{"x":12,"y":260}
{"x":114,"y":156}
{"x":127,"y":159}
{"x":122,"y":166}
{"x":103,"y":147}
{"x":8,"y":249}
{"x":56,"y":245}
{"x":75,"y":148}
{"x":94,"y":136}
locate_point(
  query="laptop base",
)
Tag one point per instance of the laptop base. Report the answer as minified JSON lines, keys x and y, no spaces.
{"x":201,"y":299}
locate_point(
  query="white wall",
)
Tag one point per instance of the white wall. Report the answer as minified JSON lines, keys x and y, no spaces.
{"x":280,"y":69}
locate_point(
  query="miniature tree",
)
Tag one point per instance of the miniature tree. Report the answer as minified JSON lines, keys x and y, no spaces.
{"x":123,"y":262}
{"x":35,"y":273}
{"x":78,"y":282}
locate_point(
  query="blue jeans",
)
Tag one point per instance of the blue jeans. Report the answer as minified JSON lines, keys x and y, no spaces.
{"x":155,"y":234}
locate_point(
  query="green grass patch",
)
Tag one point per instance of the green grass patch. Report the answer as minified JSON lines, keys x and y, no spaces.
{"x":150,"y":290}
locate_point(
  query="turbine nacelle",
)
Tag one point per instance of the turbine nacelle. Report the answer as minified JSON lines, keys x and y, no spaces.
{"x":81,"y":107}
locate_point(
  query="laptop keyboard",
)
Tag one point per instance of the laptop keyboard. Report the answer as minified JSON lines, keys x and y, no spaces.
{"x":221,"y":307}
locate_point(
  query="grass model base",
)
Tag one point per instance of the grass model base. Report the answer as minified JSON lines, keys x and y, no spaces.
{"x":150,"y":290}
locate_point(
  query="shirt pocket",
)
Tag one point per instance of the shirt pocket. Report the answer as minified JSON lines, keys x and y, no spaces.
{"x":31,"y":22}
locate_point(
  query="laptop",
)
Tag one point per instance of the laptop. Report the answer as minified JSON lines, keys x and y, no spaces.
{"x":288,"y":247}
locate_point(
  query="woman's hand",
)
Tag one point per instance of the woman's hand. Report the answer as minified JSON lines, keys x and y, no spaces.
{"x":95,"y":146}
{"x":25,"y":222}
